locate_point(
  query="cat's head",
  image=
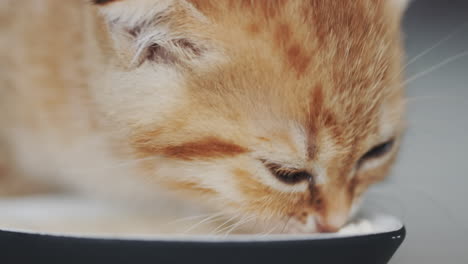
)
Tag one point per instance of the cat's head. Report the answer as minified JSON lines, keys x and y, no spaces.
{"x":284,"y":111}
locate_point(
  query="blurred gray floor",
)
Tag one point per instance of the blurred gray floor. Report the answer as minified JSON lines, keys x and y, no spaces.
{"x":428,"y":188}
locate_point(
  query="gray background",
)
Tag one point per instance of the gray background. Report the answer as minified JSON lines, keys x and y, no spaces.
{"x":427,"y":188}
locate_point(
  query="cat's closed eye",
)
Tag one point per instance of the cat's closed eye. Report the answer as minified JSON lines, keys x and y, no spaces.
{"x":378,"y":151}
{"x":288,"y":175}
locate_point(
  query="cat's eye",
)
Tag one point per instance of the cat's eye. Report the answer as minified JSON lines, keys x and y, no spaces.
{"x":378,"y":151}
{"x":288,"y":175}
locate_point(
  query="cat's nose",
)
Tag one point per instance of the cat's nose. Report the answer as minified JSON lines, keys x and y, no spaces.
{"x":327,"y":228}
{"x":331,"y":223}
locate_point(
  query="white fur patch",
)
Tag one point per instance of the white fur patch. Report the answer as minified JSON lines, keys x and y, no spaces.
{"x":375,"y":162}
{"x":87,"y":164}
{"x":146,"y":95}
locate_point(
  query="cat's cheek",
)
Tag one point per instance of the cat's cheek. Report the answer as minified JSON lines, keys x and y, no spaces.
{"x":207,"y":182}
{"x":142,"y":97}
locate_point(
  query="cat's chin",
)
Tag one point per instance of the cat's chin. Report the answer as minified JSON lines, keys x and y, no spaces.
{"x":296,"y":227}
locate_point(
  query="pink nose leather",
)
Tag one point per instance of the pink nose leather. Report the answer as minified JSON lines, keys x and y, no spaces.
{"x":327,"y":228}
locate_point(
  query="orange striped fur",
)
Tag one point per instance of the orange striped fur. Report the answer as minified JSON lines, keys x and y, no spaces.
{"x":195,"y":96}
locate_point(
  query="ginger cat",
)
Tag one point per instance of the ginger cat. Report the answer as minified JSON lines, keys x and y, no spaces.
{"x":279,"y":111}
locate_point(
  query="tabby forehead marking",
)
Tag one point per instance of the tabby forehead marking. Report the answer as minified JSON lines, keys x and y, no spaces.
{"x":206,"y":148}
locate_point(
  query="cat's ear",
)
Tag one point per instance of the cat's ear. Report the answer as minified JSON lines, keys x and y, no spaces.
{"x":155,"y":31}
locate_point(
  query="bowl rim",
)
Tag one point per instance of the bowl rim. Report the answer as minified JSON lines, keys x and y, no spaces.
{"x":390,"y":225}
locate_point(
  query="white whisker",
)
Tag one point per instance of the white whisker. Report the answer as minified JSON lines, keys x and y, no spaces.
{"x":206,"y":220}
{"x":188,"y":218}
{"x":436,"y":45}
{"x":286,"y":224}
{"x":271,"y":230}
{"x":244,"y":220}
{"x":220,"y":227}
{"x":432,"y":97}
{"x":436,"y":67}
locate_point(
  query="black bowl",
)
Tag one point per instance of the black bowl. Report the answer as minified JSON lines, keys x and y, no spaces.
{"x":29,"y":246}
{"x":21,"y":247}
